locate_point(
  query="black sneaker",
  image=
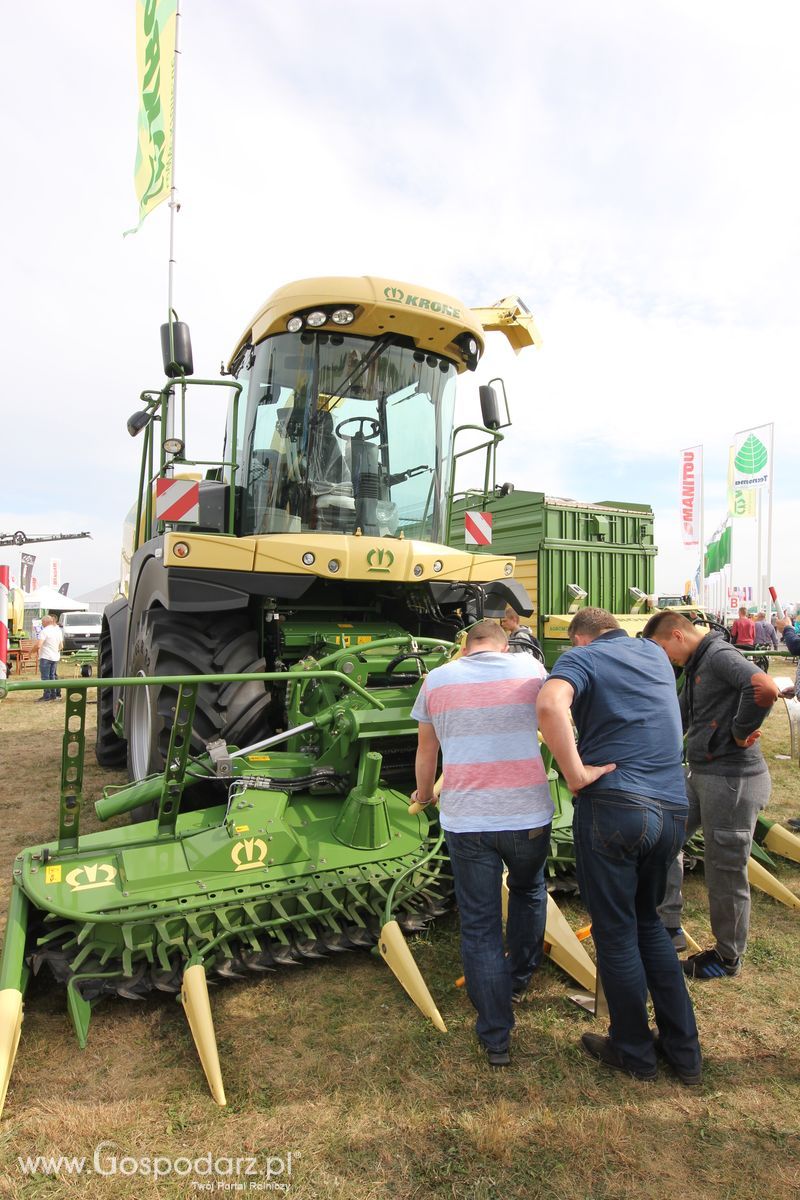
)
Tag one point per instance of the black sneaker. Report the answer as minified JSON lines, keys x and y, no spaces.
{"x":519,"y":995}
{"x":42,"y":700}
{"x":678,"y":939}
{"x":498,"y":1058}
{"x":604,"y":1050}
{"x":709,"y":964}
{"x":688,"y":1078}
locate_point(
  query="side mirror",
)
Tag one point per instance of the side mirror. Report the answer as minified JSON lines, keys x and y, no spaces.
{"x":138,"y":420}
{"x":179,"y":361}
{"x":490,"y":407}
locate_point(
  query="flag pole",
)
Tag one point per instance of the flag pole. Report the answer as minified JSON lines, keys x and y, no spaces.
{"x":173,"y":205}
{"x":169,"y":424}
{"x":702,"y":587}
{"x":770,"y":580}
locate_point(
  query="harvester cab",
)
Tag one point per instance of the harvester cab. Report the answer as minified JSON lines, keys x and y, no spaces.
{"x":324,"y":522}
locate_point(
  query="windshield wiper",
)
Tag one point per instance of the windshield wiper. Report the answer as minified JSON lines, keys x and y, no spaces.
{"x":375,"y":351}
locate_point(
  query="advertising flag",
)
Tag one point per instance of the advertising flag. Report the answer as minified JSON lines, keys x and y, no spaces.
{"x":26,"y":571}
{"x":752,"y":458}
{"x":740,"y":503}
{"x":155,"y":56}
{"x":691,"y":480}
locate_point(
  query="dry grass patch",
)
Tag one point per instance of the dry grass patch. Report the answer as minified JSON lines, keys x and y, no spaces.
{"x":331,"y":1062}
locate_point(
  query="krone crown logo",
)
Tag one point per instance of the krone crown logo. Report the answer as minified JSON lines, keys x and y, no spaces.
{"x":249,"y":854}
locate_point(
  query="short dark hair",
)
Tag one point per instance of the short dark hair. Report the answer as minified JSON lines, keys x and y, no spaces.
{"x":488,"y":632}
{"x":592,"y":622}
{"x":661,"y":624}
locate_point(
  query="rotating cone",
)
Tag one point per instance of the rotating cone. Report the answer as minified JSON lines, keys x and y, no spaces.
{"x":399,"y":959}
{"x":565,"y":949}
{"x":781,"y":841}
{"x":10,"y":1028}
{"x":761,"y":878}
{"x":194,"y":997}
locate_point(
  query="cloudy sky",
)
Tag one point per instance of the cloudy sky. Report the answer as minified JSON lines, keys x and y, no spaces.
{"x":630,"y":169}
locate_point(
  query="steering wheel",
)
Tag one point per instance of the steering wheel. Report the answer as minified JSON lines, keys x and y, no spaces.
{"x":714,"y":625}
{"x":361,"y":422}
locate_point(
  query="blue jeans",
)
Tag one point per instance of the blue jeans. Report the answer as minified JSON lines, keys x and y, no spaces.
{"x":47,"y":671}
{"x":624,"y":846}
{"x":477,"y":860}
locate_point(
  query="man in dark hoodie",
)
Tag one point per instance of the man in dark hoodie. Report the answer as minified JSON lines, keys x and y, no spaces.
{"x":724,"y":701}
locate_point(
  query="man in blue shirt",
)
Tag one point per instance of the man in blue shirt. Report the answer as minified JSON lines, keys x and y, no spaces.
{"x":629,"y":824}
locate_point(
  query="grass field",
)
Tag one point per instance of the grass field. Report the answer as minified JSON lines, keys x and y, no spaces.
{"x":333,"y":1064}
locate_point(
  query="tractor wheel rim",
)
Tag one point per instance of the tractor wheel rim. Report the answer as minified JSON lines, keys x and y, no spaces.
{"x":141,"y":729}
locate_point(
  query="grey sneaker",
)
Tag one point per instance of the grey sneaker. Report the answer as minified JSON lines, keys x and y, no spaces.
{"x":678,"y":939}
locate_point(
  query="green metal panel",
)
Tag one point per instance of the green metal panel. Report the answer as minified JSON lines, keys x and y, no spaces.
{"x":604,"y":548}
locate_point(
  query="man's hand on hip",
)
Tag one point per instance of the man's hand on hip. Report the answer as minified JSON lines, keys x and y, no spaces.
{"x":750,"y":740}
{"x":587,"y":774}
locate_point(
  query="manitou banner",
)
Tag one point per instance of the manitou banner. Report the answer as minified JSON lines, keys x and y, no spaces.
{"x":691,"y":494}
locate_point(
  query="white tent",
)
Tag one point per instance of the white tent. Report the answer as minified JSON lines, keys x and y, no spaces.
{"x":48,"y":598}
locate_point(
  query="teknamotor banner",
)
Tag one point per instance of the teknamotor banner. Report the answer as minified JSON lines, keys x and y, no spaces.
{"x":691,"y":485}
{"x":155,"y":55}
{"x":752,"y":458}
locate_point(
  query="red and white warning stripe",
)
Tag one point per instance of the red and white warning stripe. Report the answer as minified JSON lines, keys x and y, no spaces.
{"x":4,"y":585}
{"x":478,"y":528}
{"x":178,"y":500}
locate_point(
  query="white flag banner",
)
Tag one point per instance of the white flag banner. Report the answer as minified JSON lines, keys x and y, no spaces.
{"x":752,"y":458}
{"x":691,"y":480}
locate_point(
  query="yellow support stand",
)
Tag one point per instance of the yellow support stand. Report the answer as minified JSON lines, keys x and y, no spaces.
{"x":760,"y":877}
{"x":194,"y":997}
{"x":400,"y":961}
{"x":691,"y":945}
{"x":10,"y":1028}
{"x":781,"y":841}
{"x":565,"y":950}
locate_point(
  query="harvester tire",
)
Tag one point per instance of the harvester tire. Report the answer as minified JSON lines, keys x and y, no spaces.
{"x":110,"y":749}
{"x":193,"y":644}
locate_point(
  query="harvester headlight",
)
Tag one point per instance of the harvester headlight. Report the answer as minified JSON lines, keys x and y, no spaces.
{"x":173,"y":446}
{"x":294,"y":324}
{"x":472,"y":346}
{"x":343,"y":316}
{"x":181,"y":549}
{"x":418,"y":569}
{"x":508,"y":569}
{"x":437,"y":566}
{"x":316,"y":318}
{"x":308,"y":559}
{"x":334,"y":565}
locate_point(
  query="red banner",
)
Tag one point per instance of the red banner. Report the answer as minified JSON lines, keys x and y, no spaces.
{"x":691,"y":492}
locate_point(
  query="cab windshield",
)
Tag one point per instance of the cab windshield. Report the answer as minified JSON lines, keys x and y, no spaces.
{"x":341,"y":433}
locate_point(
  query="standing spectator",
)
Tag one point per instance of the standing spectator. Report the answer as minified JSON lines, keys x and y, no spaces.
{"x":520,"y":638}
{"x":723,"y":704}
{"x":765,"y":634}
{"x":49,"y":647}
{"x":743,"y":631}
{"x":495,"y":809}
{"x":629,"y":823}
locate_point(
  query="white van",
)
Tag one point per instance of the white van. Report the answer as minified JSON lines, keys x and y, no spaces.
{"x":81,"y":630}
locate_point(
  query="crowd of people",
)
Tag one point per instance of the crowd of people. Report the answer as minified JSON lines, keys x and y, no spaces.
{"x":638,"y":797}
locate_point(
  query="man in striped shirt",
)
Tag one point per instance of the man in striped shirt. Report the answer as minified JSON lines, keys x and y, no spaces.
{"x":495,"y":811}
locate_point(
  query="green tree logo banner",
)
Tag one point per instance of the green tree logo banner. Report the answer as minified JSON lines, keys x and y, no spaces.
{"x":752,"y":459}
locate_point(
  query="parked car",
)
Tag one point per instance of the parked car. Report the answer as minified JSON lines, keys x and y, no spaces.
{"x":81,"y":630}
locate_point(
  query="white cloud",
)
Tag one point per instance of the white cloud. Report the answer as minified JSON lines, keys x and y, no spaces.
{"x":626,"y":168}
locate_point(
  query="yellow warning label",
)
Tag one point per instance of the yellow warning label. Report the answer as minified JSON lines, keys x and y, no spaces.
{"x":258,"y":758}
{"x":345,"y":625}
{"x":242,"y":828}
{"x":52,"y":874}
{"x":363,"y":638}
